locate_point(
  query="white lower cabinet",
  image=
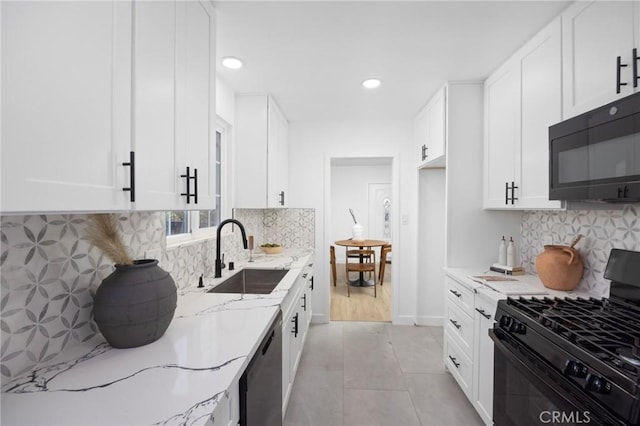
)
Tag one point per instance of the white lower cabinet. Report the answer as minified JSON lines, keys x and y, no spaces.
{"x":468,"y":349}
{"x":296,"y":311}
{"x":484,"y":319}
{"x":458,"y":363}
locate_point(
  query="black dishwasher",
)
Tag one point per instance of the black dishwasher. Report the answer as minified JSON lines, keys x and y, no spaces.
{"x":261,"y":383}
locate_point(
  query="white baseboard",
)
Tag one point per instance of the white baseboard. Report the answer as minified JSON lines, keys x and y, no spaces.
{"x":405,"y":320}
{"x":430,"y":321}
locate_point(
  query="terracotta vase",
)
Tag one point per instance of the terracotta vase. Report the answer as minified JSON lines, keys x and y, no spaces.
{"x":559,"y":267}
{"x":135,"y":304}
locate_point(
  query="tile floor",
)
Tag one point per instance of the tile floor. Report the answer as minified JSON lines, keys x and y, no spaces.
{"x":366,"y":374}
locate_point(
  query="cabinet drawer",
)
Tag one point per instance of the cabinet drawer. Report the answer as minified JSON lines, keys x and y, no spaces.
{"x":460,"y":295}
{"x":486,"y":308}
{"x":458,"y":364}
{"x":459,"y":325}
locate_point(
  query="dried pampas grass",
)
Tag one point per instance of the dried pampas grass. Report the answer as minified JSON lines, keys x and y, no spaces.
{"x":102,"y":232}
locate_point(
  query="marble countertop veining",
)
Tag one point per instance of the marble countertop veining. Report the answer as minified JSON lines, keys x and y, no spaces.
{"x":176,"y":380}
{"x":463,"y":276}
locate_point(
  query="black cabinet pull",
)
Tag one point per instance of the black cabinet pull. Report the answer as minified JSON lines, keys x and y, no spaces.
{"x":453,"y":360}
{"x":304,"y":304}
{"x":506,"y":193}
{"x":625,"y":193}
{"x":281,"y":195}
{"x":424,"y":152}
{"x":636,"y":74}
{"x":513,"y":188}
{"x":195,"y":186}
{"x":295,"y":325}
{"x":619,"y":66}
{"x":311,"y":286}
{"x":132,"y":176}
{"x":455,"y":293}
{"x":187,"y":177}
{"x":455,"y":324}
{"x":483,"y":313}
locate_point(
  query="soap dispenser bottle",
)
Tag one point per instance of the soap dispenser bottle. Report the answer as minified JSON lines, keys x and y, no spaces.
{"x":511,"y":253}
{"x":502,"y":252}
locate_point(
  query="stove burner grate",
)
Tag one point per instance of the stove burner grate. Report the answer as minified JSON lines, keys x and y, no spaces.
{"x":607,"y":329}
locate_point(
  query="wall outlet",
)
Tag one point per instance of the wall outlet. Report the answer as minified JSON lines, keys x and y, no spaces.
{"x":547,"y":240}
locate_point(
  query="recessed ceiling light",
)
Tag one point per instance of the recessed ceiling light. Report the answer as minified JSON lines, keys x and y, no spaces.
{"x":231,"y":63}
{"x":371,"y":83}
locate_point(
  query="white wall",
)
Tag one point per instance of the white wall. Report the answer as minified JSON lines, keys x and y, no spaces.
{"x":431,"y":243}
{"x":311,"y":145}
{"x":225,"y":102}
{"x":350,"y":189}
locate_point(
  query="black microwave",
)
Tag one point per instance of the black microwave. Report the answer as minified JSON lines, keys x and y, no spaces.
{"x":596,"y":156}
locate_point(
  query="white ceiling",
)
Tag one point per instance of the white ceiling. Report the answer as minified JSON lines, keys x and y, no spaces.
{"x":313,"y":55}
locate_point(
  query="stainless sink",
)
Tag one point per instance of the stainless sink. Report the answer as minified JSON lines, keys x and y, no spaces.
{"x":252,"y":281}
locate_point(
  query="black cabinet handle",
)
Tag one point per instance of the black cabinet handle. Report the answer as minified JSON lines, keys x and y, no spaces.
{"x":619,"y":66}
{"x":311,"y":286}
{"x":195,"y":185}
{"x":187,"y":177}
{"x":132,"y":176}
{"x":483,"y":313}
{"x":513,"y":188}
{"x":304,"y":304}
{"x":295,"y":325}
{"x":453,"y":360}
{"x":506,"y":193}
{"x":455,"y":293}
{"x":424,"y":152}
{"x":281,"y":195}
{"x":636,"y":74}
{"x":455,"y":324}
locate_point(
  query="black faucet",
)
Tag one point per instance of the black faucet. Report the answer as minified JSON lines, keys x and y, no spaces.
{"x":218,"y":273}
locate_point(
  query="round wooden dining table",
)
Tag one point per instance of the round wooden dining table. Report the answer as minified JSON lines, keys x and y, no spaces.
{"x":361,"y":244}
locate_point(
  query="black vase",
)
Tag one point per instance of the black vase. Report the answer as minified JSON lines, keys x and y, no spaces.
{"x":135,"y":304}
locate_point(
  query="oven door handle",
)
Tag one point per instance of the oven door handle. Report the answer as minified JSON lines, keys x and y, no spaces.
{"x":549,"y":377}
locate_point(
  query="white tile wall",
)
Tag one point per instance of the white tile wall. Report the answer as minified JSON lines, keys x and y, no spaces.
{"x":602,"y":230}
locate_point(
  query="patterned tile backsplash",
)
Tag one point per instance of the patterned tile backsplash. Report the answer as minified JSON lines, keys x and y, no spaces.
{"x":602,"y":231}
{"x":49,"y":273}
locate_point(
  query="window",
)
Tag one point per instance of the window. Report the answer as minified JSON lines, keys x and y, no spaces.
{"x":184,"y":225}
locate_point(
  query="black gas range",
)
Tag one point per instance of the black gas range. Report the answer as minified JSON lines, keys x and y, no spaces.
{"x":571,"y":361}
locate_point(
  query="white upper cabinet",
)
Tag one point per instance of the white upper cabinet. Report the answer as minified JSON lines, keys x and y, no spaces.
{"x":261,"y":146}
{"x":174,"y":89}
{"x":429,"y":131}
{"x":66,"y":105}
{"x":595,"y":34}
{"x":105,"y":104}
{"x":522,"y":99}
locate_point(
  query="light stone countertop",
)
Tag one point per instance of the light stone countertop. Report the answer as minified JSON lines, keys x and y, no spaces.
{"x":462,"y":275}
{"x":175,"y":380}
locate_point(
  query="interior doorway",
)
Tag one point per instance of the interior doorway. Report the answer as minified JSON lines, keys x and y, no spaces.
{"x":363,"y":186}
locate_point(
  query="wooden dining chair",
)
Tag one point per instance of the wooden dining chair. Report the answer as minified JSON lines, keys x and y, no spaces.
{"x":368,"y":255}
{"x":365,"y":267}
{"x":332,"y":261}
{"x":384,"y":251}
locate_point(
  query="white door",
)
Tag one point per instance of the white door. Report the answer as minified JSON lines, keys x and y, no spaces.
{"x":380,"y":211}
